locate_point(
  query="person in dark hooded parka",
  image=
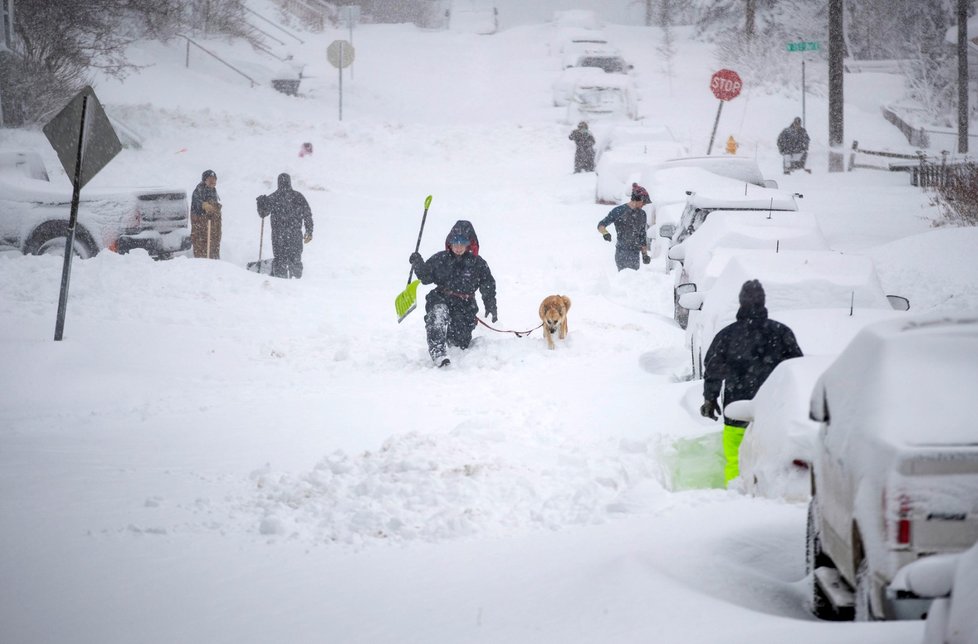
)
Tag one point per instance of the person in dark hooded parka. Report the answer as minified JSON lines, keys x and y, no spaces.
{"x":740,"y":358}
{"x":450,"y":307}
{"x":289,"y":212}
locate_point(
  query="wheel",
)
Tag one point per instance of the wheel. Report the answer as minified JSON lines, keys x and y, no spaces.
{"x":814,"y":557}
{"x":50,"y":238}
{"x":864,"y":592}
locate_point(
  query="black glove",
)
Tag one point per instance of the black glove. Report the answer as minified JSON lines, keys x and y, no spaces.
{"x":607,"y":236}
{"x":416,"y":259}
{"x":492,"y":312}
{"x":710,"y":409}
{"x":645,"y":258}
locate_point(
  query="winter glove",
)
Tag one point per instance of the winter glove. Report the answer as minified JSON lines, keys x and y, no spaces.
{"x":492,"y":312}
{"x":261,"y":201}
{"x":710,"y":409}
{"x":307,"y":238}
{"x":416,"y":259}
{"x":645,"y":258}
{"x":607,"y":236}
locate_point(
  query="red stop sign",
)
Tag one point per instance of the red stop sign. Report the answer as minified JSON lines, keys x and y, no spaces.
{"x":726,"y":84}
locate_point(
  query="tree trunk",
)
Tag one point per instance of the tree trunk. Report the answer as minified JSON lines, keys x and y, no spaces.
{"x":750,"y":11}
{"x":962,"y":76}
{"x":836,"y":75}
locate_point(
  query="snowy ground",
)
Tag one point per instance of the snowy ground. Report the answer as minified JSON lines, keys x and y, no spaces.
{"x":215,"y":456}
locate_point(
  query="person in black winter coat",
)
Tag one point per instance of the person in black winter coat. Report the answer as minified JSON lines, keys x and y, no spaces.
{"x":450,"y":307}
{"x":740,"y":358}
{"x":289,"y":212}
{"x":631,"y":224}
{"x":584,"y":155}
{"x":794,"y":140}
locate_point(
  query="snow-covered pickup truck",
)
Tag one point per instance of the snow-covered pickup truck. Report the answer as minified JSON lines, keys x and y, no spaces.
{"x":34,"y":214}
{"x":895,"y":476}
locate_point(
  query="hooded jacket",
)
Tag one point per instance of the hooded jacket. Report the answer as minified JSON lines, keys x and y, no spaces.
{"x":289,"y":211}
{"x":459,"y":277}
{"x":743,"y":354}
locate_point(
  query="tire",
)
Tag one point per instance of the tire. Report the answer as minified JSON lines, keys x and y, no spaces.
{"x":864,"y":589}
{"x":50,"y":238}
{"x":821,"y":605}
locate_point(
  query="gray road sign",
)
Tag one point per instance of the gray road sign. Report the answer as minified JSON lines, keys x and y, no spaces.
{"x":99,"y":141}
{"x":340,"y":54}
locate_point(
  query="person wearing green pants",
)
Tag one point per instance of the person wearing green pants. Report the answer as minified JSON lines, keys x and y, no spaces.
{"x":740,"y":358}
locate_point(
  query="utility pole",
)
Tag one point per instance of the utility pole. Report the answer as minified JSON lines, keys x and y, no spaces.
{"x":648,"y":13}
{"x":962,"y":76}
{"x":749,"y":10}
{"x":836,"y":75}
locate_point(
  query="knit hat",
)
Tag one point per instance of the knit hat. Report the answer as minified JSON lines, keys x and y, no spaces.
{"x":459,"y":239}
{"x":752,"y":294}
{"x":206,"y":174}
{"x":640,"y":194}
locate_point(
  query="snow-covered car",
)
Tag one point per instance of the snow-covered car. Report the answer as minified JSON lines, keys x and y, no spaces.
{"x":703,"y":256}
{"x":35,"y":212}
{"x":792,"y":280}
{"x":779,"y":442}
{"x":577,"y":18}
{"x":613,"y":98}
{"x":473,"y":17}
{"x":621,"y":166}
{"x":570,"y":78}
{"x":895,"y":474}
{"x":743,"y":169}
{"x":574,"y":37}
{"x":951,"y":582}
{"x":725,"y":197}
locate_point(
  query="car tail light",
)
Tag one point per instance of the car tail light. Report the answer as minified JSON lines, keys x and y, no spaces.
{"x":898,"y":519}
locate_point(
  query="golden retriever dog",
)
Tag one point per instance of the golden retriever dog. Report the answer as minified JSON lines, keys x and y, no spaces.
{"x":553,"y":313}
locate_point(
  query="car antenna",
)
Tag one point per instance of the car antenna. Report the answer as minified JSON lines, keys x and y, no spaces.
{"x":852,"y":302}
{"x":770,"y":208}
{"x":777,"y":246}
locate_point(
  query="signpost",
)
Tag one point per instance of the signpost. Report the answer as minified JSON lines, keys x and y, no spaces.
{"x":340,"y":54}
{"x":803,"y":46}
{"x":350,"y":14}
{"x":725,"y":85}
{"x":85,"y":142}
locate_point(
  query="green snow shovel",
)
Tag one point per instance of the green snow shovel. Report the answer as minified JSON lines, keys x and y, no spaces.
{"x":407,"y":300}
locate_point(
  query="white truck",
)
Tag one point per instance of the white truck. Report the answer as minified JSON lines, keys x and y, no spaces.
{"x":895,"y":475}
{"x":34,"y":214}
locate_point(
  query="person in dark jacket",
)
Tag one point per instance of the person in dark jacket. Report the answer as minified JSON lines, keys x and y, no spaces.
{"x":584,"y":156}
{"x":205,"y":211}
{"x":631,"y":225}
{"x":740,"y":358}
{"x":794,"y":140}
{"x":289,"y":212}
{"x":450,"y":307}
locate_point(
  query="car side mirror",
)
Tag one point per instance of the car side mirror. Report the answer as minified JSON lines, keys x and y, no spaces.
{"x":667,"y":230}
{"x":742,"y":410}
{"x":770,"y":183}
{"x":818,"y":410}
{"x":691,"y":301}
{"x":898,"y":302}
{"x":678,"y":252}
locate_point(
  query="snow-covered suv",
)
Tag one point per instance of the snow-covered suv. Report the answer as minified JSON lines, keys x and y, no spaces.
{"x":895,"y":476}
{"x":34,"y":214}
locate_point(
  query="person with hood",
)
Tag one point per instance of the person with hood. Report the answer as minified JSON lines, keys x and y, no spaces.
{"x":740,"y":358}
{"x":584,"y":156}
{"x":794,"y":140}
{"x":289,"y":212}
{"x":205,"y":213}
{"x":450,"y":307}
{"x":631,"y":224}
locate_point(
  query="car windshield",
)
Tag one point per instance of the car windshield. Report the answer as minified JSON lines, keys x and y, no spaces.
{"x":609,"y":64}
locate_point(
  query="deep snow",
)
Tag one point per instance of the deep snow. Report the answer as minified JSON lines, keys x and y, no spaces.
{"x":213,"y":455}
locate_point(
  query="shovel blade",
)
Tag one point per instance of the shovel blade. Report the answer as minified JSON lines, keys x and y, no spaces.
{"x":263,"y":266}
{"x":407,"y":300}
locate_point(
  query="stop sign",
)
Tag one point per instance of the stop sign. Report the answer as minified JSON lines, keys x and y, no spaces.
{"x":726,"y":84}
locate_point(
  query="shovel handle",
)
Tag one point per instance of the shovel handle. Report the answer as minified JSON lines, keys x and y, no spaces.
{"x":417,"y":246}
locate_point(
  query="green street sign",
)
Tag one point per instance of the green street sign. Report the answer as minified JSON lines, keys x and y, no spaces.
{"x":803,"y":46}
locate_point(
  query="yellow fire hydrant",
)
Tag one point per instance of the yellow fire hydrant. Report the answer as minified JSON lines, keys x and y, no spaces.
{"x":732,"y":145}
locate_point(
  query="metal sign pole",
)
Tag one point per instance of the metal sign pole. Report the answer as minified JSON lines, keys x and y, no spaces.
{"x":59,"y":325}
{"x":803,"y":93}
{"x":341,"y":81}
{"x":715,"y":124}
{"x":351,"y":41}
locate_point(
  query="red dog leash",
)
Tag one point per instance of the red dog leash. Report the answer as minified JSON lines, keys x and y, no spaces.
{"x":519,"y":334}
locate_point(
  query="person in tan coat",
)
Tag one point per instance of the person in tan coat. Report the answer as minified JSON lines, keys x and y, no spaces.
{"x":205,"y":213}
